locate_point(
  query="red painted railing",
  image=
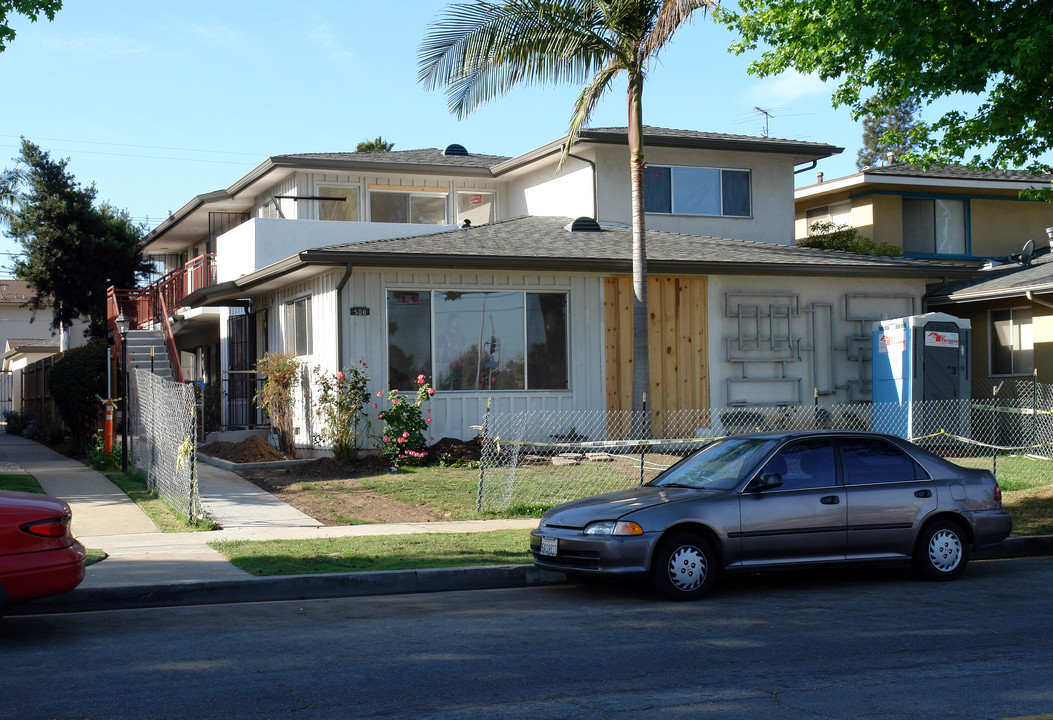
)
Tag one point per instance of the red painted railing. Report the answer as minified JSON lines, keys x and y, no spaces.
{"x":145,"y":306}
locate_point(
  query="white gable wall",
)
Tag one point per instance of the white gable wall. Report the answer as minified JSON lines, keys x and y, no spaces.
{"x":544,"y":192}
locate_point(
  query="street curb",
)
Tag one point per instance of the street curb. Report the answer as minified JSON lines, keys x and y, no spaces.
{"x":291,"y":587}
{"x":360,"y":584}
{"x":234,"y":467}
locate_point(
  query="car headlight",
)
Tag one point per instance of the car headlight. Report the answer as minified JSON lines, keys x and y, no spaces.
{"x":613,"y":527}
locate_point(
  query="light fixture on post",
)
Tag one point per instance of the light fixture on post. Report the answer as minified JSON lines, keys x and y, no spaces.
{"x":123,"y":325}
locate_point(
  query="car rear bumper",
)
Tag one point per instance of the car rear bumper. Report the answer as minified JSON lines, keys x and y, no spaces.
{"x":593,"y":555}
{"x":991,"y":527}
{"x":31,"y":575}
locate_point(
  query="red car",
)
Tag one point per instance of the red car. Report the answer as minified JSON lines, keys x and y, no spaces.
{"x":38,"y":555}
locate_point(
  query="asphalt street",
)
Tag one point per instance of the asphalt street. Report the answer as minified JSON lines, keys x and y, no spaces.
{"x":836,"y":644}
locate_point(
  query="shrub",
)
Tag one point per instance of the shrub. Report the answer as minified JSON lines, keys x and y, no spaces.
{"x":16,"y":421}
{"x":98,"y":458}
{"x":342,"y":406}
{"x":405,"y":426}
{"x":76,"y":383}
{"x":280,"y":371}
{"x":828,"y":236}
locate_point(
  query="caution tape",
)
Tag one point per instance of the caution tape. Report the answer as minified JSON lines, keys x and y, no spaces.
{"x":970,"y":441}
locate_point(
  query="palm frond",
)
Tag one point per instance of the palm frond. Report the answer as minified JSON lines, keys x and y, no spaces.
{"x":671,"y":16}
{"x":585,"y":104}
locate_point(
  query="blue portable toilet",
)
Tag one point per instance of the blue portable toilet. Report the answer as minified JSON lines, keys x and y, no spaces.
{"x":921,"y":358}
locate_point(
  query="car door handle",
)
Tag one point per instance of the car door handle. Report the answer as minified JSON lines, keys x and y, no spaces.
{"x":829,"y":500}
{"x":923,"y":493}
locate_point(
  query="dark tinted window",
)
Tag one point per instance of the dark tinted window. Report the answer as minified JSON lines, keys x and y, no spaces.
{"x":868,"y":461}
{"x":804,"y":464}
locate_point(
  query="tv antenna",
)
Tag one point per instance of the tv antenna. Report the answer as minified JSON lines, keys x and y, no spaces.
{"x":767,"y":116}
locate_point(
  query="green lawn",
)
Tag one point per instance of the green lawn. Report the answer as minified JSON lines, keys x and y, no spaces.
{"x":1014,"y":472}
{"x":135,"y":487}
{"x":21,"y":483}
{"x":382,"y":552}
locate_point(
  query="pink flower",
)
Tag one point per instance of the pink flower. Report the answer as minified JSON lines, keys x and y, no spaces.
{"x":387,"y":439}
{"x":428,"y":419}
{"x":374,"y":404}
{"x":405,"y":434}
{"x":431,"y":437}
{"x":380,"y":393}
{"x":431,"y":391}
{"x":339,"y":376}
{"x":380,"y":416}
{"x":420,"y":379}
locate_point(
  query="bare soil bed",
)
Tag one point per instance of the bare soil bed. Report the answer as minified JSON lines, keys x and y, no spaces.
{"x":328,"y":490}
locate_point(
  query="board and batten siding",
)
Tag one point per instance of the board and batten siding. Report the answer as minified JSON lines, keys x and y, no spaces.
{"x":321,"y":290}
{"x":454,"y":413}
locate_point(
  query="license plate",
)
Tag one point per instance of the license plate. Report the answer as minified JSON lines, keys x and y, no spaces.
{"x":549,"y":546}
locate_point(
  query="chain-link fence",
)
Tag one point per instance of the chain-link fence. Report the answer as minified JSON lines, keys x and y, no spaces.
{"x":538,"y":459}
{"x":163,"y":432}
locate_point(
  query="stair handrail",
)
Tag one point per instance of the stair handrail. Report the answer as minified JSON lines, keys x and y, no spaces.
{"x":166,"y":329}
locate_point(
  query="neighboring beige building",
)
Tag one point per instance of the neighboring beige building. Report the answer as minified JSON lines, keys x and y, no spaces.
{"x":953,"y":212}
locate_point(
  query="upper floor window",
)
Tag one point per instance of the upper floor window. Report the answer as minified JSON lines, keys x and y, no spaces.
{"x":477,"y":207}
{"x":1012,"y":343}
{"x":402,"y":207}
{"x":934,"y":226}
{"x":697,"y":191}
{"x":343,"y":206}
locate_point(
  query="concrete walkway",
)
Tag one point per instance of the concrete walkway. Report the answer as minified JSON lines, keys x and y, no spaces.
{"x":140,"y":556}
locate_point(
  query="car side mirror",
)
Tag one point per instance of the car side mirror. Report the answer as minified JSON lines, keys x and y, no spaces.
{"x":767,"y":481}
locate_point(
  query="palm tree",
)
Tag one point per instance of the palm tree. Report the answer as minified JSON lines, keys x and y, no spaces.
{"x":377,"y":145}
{"x":481,"y":50}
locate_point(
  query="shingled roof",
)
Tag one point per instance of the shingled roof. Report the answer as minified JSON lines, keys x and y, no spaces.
{"x":957,"y":172}
{"x":545,"y":243}
{"x":1010,"y":280}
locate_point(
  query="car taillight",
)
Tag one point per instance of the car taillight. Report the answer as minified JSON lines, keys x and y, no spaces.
{"x":998,"y":493}
{"x":52,"y":527}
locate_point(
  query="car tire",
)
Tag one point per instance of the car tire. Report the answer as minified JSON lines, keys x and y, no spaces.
{"x":684,"y":566}
{"x":942,"y":551}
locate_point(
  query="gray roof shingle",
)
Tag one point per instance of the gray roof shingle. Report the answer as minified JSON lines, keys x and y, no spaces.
{"x":1003,"y":281}
{"x":957,"y":172}
{"x":543,"y":242}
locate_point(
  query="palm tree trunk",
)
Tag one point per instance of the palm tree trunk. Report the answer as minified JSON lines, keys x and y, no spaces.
{"x":641,"y":362}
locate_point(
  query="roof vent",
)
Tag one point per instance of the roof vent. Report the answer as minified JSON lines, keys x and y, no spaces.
{"x":466,"y":224}
{"x":584,"y":224}
{"x":455,"y":150}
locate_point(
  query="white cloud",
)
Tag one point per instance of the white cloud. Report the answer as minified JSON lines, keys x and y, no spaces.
{"x":785,"y":89}
{"x":103,"y":46}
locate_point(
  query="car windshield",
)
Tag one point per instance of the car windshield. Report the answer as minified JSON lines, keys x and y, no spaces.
{"x":720,"y":466}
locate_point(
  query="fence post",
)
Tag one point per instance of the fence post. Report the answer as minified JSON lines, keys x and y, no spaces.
{"x":482,"y":457}
{"x":643,"y":447}
{"x":1034,"y":407}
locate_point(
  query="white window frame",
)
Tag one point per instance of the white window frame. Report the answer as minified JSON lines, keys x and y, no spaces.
{"x":289,"y":320}
{"x":721,"y":170}
{"x":444,"y":193}
{"x":937,"y":240}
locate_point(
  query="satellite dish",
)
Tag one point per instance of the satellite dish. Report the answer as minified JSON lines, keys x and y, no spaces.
{"x":1027,"y":253}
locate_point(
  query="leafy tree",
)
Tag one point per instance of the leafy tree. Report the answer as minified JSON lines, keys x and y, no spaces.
{"x":378,"y":144}
{"x":828,"y":236}
{"x":884,"y":54}
{"x":32,"y":9}
{"x":73,"y":250}
{"x":480,"y":51}
{"x":887,"y":130}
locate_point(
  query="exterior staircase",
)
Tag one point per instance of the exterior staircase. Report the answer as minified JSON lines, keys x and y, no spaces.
{"x":140,"y":345}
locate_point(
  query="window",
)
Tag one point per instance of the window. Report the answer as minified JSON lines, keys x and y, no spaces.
{"x":476,"y":207}
{"x":1012,"y":344}
{"x":696,"y":191}
{"x":805,"y":464}
{"x":396,"y":207}
{"x":933,"y":226}
{"x":478,"y":340}
{"x":343,"y":206}
{"x":298,"y":327}
{"x":867,"y":462}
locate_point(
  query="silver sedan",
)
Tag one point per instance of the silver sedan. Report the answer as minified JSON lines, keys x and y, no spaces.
{"x":778,"y":501}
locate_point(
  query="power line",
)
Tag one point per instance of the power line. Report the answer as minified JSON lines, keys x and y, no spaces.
{"x":148,"y":147}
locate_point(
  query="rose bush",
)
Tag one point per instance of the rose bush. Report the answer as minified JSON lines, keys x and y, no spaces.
{"x":405,"y":438}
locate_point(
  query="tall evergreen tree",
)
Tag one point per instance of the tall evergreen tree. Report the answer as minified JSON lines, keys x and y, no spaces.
{"x":72,"y":250}
{"x":480,"y":51}
{"x":887,"y":130}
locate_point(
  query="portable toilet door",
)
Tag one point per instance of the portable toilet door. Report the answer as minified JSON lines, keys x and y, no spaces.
{"x":943,"y":353}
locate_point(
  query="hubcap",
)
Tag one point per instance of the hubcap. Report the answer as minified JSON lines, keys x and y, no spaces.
{"x":687,"y":568}
{"x":945,"y":550}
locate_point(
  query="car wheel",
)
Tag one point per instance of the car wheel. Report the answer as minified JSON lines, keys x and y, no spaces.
{"x":942,"y":551}
{"x":684,"y":567}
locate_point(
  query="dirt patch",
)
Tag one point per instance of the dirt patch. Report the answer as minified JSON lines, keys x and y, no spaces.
{"x":328,"y":491}
{"x":252,"y":449}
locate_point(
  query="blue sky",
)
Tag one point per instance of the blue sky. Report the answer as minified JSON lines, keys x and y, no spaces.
{"x":158,"y":102}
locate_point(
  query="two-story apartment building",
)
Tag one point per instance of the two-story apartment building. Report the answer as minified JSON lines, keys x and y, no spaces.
{"x":472,"y":270}
{"x":967,"y":215}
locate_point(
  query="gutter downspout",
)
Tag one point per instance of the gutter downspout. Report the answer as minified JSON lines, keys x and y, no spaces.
{"x":595,"y":190}
{"x":811,"y":166}
{"x":1031,"y":296}
{"x":340,"y":320}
